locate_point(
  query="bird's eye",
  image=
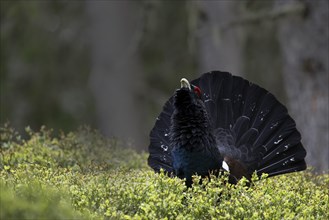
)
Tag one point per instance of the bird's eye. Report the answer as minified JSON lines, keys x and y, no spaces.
{"x":197,"y":91}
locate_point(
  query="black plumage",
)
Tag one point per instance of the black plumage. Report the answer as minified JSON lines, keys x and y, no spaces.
{"x":220,"y":117}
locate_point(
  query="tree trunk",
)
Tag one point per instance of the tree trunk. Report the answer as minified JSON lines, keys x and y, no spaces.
{"x":219,"y":46}
{"x":115,"y":72}
{"x":304,"y":43}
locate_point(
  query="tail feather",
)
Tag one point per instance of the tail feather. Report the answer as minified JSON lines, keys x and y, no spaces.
{"x":160,"y":148}
{"x":273,"y":124}
{"x":265,"y":111}
{"x":224,"y":101}
{"x":291,"y":143}
{"x":254,"y":98}
{"x":282,"y":133}
{"x":292,"y":159}
{"x":248,"y":137}
{"x":225,"y":116}
{"x":241,"y":126}
{"x":156,"y":162}
{"x":211,"y":86}
{"x":300,"y":166}
{"x":239,"y":96}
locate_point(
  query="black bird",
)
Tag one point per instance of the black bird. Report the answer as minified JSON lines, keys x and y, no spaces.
{"x":223,"y":122}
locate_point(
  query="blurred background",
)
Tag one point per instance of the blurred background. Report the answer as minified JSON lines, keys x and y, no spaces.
{"x":113,"y":64}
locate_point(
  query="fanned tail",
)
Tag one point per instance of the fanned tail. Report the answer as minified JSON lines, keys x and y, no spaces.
{"x":266,"y":138}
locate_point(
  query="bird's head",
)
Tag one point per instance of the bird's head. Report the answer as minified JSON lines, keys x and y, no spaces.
{"x":186,"y":84}
{"x":187,"y":95}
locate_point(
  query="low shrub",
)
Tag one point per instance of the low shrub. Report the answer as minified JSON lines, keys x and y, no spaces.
{"x":83,"y":175}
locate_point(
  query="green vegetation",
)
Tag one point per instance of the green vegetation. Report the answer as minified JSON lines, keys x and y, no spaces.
{"x":82,"y":175}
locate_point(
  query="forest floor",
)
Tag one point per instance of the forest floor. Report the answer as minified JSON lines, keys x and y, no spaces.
{"x":83,"y":175}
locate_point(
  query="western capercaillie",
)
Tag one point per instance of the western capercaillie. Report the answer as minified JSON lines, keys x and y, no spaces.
{"x":224,"y":122}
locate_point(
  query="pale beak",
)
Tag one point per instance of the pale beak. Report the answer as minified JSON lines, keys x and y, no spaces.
{"x":185,"y":84}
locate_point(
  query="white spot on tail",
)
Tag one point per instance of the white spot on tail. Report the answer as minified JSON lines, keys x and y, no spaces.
{"x":225,"y":166}
{"x":164,"y":147}
{"x":278,"y":141}
{"x":273,"y":125}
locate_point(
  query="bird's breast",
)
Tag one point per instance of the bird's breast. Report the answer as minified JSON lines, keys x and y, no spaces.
{"x":187,"y":163}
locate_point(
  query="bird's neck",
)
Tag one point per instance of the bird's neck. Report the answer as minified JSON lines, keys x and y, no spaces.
{"x":191,"y":128}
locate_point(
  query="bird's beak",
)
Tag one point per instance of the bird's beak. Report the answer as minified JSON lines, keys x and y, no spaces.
{"x":185,"y":84}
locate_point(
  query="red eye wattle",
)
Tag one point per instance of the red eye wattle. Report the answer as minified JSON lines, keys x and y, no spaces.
{"x":197,"y":91}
